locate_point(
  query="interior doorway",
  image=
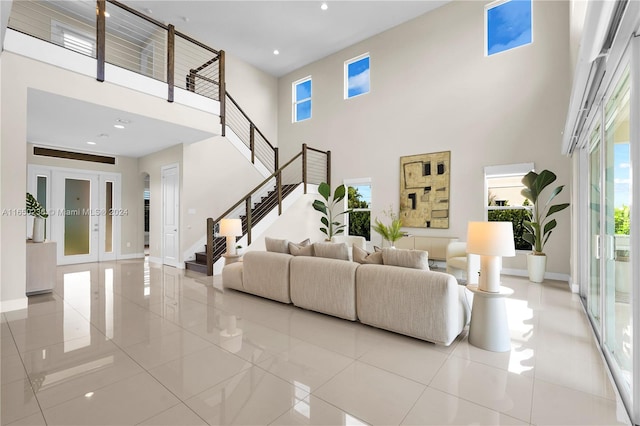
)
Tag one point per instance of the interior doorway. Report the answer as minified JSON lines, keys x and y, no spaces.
{"x":170,"y":188}
{"x":146,"y":200}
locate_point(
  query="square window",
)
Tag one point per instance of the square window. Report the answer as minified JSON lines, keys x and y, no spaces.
{"x":508,"y":25}
{"x":302,"y":99}
{"x":356,"y":76}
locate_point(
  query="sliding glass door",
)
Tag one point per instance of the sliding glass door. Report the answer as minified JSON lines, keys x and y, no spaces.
{"x":609,"y":285}
{"x":617,"y":287}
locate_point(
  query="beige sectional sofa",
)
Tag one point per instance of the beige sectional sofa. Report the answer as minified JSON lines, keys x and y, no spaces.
{"x":424,"y":304}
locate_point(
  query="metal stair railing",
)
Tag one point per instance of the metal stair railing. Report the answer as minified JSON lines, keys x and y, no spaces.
{"x":309,"y":166}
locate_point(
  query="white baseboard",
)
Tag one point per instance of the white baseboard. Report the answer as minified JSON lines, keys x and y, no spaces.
{"x":14,"y":304}
{"x":131,"y":256}
{"x":547,"y":275}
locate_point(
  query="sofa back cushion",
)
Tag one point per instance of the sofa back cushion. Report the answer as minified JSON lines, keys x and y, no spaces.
{"x":364,"y":257}
{"x":416,"y":259}
{"x":301,"y":249}
{"x":331,"y":250}
{"x":276,"y":245}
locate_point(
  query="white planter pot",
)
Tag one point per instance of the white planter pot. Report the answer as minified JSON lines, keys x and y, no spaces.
{"x":536,"y":265}
{"x":38,"y":230}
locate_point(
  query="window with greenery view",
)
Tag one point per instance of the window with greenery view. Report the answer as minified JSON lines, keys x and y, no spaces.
{"x":359,"y":200}
{"x":505,"y":203}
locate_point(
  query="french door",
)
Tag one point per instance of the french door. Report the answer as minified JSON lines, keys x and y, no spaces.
{"x":84,"y":212}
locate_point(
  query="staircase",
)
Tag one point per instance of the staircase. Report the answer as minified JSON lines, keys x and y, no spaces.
{"x":258,"y":212}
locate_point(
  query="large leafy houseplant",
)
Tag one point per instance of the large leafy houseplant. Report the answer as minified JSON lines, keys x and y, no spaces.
{"x":392,"y":231}
{"x":539,"y":227}
{"x":331,"y":226}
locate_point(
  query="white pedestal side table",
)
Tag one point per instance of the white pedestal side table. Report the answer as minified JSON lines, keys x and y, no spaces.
{"x":489,"y":327}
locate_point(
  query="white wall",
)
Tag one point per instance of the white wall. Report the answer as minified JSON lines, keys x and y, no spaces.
{"x":257,"y":94}
{"x":215,"y":175}
{"x":5,"y":11}
{"x":432,"y":89}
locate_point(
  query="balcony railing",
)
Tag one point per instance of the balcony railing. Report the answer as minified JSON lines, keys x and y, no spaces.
{"x":116,"y":34}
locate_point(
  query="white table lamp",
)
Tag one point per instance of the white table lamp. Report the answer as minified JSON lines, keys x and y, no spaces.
{"x":230,"y":228}
{"x":491,"y":240}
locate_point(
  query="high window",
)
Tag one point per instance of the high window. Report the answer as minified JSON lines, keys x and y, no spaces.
{"x":505,"y":202}
{"x":302,"y":99}
{"x":356,"y":76}
{"x":507,"y":25}
{"x":359,"y":201}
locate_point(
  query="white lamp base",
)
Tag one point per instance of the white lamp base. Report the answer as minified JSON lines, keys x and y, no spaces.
{"x":231,"y":243}
{"x":489,"y":274}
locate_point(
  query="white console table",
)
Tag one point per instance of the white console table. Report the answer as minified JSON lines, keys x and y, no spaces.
{"x":41,"y":267}
{"x":489,"y":327}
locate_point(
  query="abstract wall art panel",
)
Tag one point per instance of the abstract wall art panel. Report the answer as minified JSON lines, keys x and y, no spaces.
{"x":424,"y":190}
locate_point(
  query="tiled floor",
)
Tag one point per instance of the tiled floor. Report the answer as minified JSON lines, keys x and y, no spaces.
{"x":128,"y":343}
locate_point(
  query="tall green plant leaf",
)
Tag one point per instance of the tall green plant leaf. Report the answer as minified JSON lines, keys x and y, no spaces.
{"x":556,"y":208}
{"x":325,"y":190}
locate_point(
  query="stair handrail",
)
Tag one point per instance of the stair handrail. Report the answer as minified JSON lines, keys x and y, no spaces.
{"x":247,"y":198}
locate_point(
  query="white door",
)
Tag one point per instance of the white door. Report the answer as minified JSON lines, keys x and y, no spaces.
{"x":170,"y":215}
{"x":84,"y":214}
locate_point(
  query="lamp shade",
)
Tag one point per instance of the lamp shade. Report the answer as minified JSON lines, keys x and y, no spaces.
{"x":230,"y":228}
{"x":490,"y":238}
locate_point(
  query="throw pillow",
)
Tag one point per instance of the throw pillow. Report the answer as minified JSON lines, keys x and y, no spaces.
{"x":331,"y":250}
{"x":416,"y":259}
{"x":301,"y":249}
{"x":363,"y":256}
{"x":281,"y":246}
{"x":276,"y":245}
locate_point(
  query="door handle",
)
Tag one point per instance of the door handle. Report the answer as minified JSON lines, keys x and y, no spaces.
{"x":596,"y":246}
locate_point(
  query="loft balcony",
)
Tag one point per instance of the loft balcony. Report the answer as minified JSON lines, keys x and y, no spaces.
{"x":111,"y":42}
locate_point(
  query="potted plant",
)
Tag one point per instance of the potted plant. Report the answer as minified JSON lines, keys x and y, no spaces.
{"x":239,"y":249}
{"x":329,"y":221}
{"x":390,"y":233}
{"x":538,"y":228}
{"x":35,"y":209}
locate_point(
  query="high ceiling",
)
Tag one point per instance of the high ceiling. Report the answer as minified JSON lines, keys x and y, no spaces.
{"x":300,"y":30}
{"x":249,"y":30}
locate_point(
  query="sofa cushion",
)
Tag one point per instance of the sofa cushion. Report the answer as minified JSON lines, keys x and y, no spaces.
{"x":301,"y":249}
{"x":276,"y":245}
{"x":324,"y":285}
{"x":232,"y":276}
{"x":266,"y":274}
{"x":416,"y":259}
{"x":331,"y":250}
{"x":363,"y":256}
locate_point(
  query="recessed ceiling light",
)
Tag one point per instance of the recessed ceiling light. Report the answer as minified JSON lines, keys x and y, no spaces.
{"x":123,"y":121}
{"x":118,"y":126}
{"x":107,"y":14}
{"x":90,"y":143}
{"x":324,"y":6}
{"x":149,"y":11}
{"x":276,"y":52}
{"x":88,"y":394}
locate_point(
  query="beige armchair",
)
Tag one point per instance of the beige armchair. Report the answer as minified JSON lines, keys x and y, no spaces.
{"x":462,"y":265}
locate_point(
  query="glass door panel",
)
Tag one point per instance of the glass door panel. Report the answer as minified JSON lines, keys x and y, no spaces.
{"x":618,"y":286}
{"x":593,"y":296}
{"x":77,"y":217}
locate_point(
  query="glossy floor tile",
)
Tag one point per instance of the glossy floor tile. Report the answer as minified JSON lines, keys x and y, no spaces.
{"x":128,"y":342}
